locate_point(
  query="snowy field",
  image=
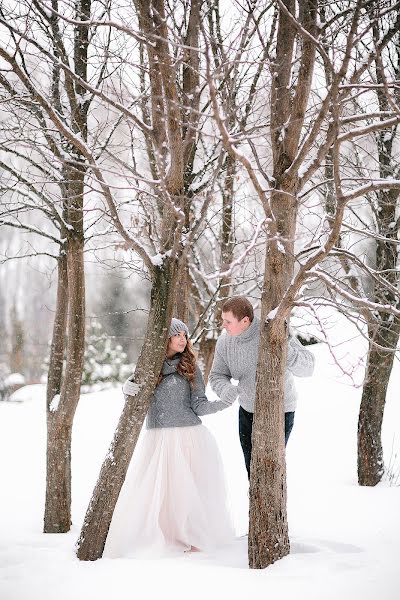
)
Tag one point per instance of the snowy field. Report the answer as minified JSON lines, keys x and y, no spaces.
{"x":345,"y":540}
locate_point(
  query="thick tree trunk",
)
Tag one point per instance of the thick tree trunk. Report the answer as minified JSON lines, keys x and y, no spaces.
{"x":268,"y":528}
{"x":112,"y":475}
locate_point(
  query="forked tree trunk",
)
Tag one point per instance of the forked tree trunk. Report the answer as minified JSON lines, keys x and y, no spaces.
{"x":268,"y":530}
{"x":112,"y":475}
{"x":70,"y":298}
{"x":60,"y":415}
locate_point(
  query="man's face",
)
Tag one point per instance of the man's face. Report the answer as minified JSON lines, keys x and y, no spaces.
{"x":233,"y":325}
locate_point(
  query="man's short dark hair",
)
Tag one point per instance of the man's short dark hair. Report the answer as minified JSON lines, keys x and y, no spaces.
{"x":239,"y":306}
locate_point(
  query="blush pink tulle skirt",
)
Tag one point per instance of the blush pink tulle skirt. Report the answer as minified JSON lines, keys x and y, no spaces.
{"x":173,"y":498}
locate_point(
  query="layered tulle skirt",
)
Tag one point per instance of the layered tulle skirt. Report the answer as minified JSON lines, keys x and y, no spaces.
{"x":173,"y":498}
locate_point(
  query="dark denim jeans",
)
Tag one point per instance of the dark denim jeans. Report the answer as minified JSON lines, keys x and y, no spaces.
{"x":246,"y":428}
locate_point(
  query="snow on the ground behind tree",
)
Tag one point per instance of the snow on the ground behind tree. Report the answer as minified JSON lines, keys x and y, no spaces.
{"x":345,"y":540}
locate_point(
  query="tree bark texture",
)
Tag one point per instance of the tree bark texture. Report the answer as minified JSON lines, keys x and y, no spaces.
{"x":384,"y":335}
{"x":379,"y":368}
{"x":69,"y":325}
{"x":98,"y":517}
{"x":60,"y":415}
{"x":56,"y":517}
{"x":227,"y":242}
{"x":268,"y":529}
{"x":167,"y":138}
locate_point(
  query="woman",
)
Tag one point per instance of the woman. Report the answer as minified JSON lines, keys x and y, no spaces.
{"x":173,"y":497}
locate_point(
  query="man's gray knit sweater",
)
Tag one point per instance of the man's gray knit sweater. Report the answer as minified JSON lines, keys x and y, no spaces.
{"x":175,"y":402}
{"x":236,"y":358}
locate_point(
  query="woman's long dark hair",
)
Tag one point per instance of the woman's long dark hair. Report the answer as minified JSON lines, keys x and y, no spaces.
{"x":187,"y":364}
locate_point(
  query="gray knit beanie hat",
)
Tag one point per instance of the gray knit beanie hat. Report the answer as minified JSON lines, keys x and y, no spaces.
{"x":176,"y":327}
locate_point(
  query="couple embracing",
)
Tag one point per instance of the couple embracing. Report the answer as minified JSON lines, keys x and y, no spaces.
{"x":174,"y":495}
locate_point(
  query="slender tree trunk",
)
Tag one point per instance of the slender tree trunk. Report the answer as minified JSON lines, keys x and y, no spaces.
{"x":384,"y":336}
{"x":386,"y":332}
{"x":227,"y":232}
{"x":60,"y":414}
{"x":379,"y":368}
{"x":207,"y":344}
{"x":54,"y":376}
{"x":70,"y":298}
{"x":182,"y":297}
{"x":17,"y":342}
{"x":112,"y":475}
{"x":206,"y":355}
{"x":56,"y":516}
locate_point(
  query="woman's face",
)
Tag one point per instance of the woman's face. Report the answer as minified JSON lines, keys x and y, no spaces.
{"x":177,"y":343}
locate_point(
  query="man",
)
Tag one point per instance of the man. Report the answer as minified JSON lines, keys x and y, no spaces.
{"x":236,"y":355}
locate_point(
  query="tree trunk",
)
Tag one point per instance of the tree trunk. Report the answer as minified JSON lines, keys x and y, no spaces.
{"x":206,"y":355}
{"x":379,"y":368}
{"x":207,"y":344}
{"x":17,"y":342}
{"x":268,"y":528}
{"x":384,"y":337}
{"x":56,"y":519}
{"x":182,"y":297}
{"x":112,"y":475}
{"x":387,"y":331}
{"x":60,"y":414}
{"x":57,"y":516}
{"x":70,"y":297}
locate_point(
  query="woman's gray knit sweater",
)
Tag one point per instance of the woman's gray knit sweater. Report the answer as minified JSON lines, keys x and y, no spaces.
{"x":175,"y":402}
{"x":236,"y":358}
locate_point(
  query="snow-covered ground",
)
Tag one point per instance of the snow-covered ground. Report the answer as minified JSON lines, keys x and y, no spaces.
{"x":345,"y":540}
